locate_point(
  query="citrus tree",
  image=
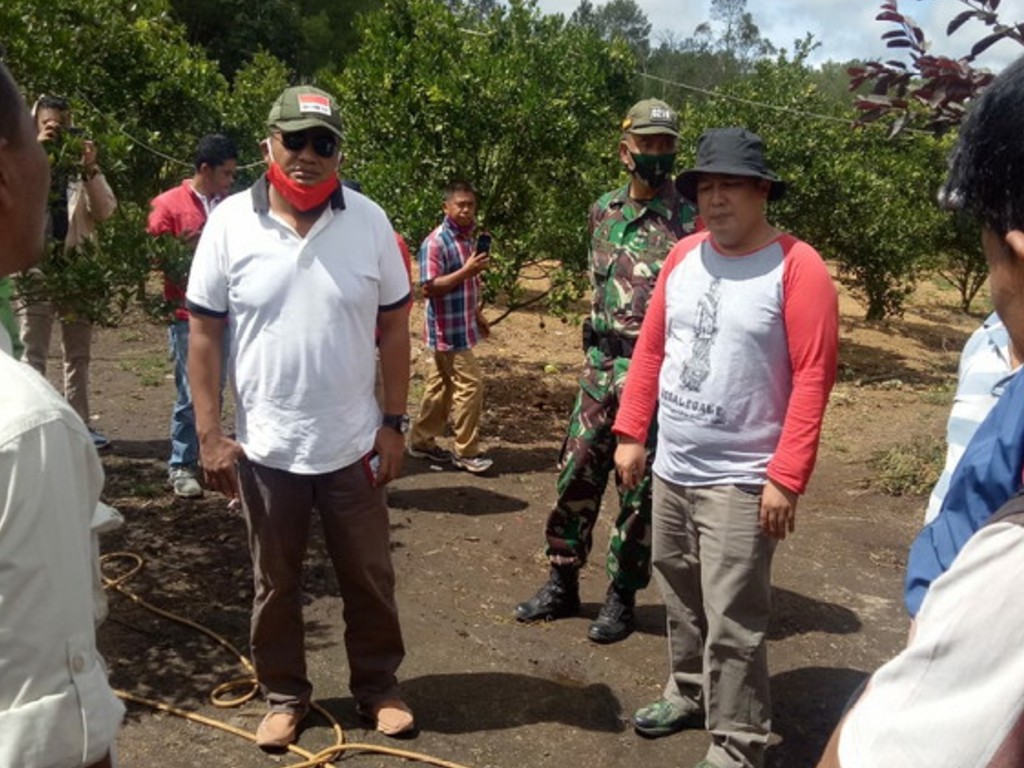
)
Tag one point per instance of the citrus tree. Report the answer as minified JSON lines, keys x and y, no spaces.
{"x":524,"y":106}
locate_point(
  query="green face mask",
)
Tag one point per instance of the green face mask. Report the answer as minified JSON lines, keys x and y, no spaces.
{"x":653,"y":170}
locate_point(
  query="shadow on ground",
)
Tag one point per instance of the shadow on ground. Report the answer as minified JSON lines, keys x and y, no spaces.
{"x":796,"y":614}
{"x":803,"y":699}
{"x":457,"y":500}
{"x":491,"y":701}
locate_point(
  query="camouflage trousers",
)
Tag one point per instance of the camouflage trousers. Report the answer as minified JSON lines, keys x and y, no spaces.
{"x":586,"y":461}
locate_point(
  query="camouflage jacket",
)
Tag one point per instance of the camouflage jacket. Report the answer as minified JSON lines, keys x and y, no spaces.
{"x":628,"y":244}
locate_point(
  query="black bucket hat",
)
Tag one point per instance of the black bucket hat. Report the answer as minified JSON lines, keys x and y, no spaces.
{"x":730,"y":151}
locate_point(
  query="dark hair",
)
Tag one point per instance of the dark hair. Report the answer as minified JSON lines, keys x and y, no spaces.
{"x":986,"y":169}
{"x":58,"y":103}
{"x":459,"y":185}
{"x":215,"y":149}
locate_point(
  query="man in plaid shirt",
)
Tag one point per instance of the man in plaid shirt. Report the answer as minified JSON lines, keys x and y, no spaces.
{"x":450,"y":264}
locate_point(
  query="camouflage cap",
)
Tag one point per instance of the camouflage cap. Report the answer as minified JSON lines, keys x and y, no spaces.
{"x":302,"y":107}
{"x":651,"y":116}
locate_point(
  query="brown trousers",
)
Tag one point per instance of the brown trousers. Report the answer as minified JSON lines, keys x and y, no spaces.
{"x":278,"y":507}
{"x":455,"y":387}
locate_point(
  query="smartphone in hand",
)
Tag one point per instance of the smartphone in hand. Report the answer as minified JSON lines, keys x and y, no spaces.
{"x":371,"y":465}
{"x":483,"y":243}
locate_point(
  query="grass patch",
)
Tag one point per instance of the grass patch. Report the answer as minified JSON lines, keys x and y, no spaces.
{"x":152,"y":370}
{"x":941,"y":394}
{"x":908,"y":469}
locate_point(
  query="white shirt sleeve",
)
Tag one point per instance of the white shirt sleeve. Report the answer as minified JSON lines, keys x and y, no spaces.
{"x":954,"y":697}
{"x":394,"y":279}
{"x":208,"y":276}
{"x":56,"y":705}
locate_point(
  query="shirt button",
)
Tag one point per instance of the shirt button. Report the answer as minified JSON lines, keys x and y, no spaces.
{"x":77,"y":663}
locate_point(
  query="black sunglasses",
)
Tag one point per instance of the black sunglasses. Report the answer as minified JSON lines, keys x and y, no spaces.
{"x":324,"y":144}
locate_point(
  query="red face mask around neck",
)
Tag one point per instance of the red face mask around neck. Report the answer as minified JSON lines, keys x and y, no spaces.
{"x":301,"y":197}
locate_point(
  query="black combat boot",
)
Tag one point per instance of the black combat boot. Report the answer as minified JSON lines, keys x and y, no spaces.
{"x":616,"y":620}
{"x":557,"y":599}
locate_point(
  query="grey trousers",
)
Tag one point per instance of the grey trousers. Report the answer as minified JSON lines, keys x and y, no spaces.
{"x":713,"y":566}
{"x":278,"y":507}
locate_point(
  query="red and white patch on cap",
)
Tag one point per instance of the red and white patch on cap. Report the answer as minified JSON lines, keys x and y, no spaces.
{"x":311,"y":102}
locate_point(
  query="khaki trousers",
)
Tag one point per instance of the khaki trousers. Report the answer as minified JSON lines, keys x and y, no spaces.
{"x":713,"y":565}
{"x":455,"y":386}
{"x":76,"y":344}
{"x":278,"y":508}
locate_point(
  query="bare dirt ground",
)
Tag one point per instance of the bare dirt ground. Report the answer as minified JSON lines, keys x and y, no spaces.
{"x":488,"y":692}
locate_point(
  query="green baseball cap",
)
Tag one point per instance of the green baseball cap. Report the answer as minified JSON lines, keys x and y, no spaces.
{"x":302,"y":107}
{"x":651,"y":116}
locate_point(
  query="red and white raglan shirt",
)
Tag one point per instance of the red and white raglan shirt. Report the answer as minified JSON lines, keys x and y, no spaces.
{"x":739,"y":355}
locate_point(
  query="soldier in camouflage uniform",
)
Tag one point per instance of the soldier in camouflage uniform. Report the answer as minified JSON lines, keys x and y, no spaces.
{"x":632,"y":230}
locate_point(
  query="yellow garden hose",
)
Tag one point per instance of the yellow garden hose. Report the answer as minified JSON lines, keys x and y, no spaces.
{"x":218,"y":697}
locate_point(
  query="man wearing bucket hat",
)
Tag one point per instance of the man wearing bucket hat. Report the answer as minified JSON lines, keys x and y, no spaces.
{"x":631,"y":231}
{"x":738,"y":354}
{"x":304,"y":274}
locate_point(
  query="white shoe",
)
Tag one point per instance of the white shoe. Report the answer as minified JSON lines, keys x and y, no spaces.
{"x":184,"y":483}
{"x":474,"y":464}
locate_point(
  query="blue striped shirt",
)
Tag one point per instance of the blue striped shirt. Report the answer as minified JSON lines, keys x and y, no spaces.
{"x":984,"y":367}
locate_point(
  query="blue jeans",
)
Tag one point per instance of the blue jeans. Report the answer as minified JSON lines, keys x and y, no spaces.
{"x":184,"y":440}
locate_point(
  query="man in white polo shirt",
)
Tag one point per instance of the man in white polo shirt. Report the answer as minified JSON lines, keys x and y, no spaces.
{"x":304,"y":274}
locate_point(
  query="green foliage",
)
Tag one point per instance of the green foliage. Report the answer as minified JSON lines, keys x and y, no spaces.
{"x":960,"y":258}
{"x":722,"y":49}
{"x":617,"y":19}
{"x":145,"y":96}
{"x":307,"y":35}
{"x":229,"y":30}
{"x":98,"y":280}
{"x":909,"y":469}
{"x":526,"y":107}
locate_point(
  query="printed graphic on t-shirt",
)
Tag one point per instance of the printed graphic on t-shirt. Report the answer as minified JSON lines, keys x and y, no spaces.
{"x":683,"y":407}
{"x":696,"y":368}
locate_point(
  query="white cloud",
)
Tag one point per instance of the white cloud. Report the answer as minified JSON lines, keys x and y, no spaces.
{"x":845,"y":29}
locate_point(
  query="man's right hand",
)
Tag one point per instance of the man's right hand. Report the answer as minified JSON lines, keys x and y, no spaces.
{"x":219,"y":456}
{"x":630,"y":462}
{"x":49,"y":131}
{"x":478,"y":262}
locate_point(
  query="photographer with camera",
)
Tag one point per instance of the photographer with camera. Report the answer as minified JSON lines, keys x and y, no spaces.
{"x":79,"y":199}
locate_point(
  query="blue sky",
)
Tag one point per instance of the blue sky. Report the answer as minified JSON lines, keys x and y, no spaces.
{"x":846,"y":29}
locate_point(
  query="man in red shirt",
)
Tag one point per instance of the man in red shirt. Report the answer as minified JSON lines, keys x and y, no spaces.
{"x":181,"y":212}
{"x":738,"y":352}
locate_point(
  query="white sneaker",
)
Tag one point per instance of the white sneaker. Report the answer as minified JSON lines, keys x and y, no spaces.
{"x":184,"y":483}
{"x":474,"y":464}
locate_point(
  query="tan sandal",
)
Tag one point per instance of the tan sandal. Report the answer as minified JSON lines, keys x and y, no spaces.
{"x":392,"y":716}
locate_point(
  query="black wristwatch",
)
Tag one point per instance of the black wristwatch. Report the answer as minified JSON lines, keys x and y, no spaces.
{"x":396,"y":421}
